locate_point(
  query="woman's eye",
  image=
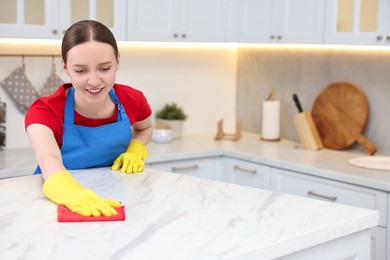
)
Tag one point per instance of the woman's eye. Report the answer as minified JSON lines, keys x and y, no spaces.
{"x":105,"y":68}
{"x":79,"y":71}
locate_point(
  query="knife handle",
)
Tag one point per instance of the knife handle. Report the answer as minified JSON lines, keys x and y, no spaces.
{"x":297,"y":103}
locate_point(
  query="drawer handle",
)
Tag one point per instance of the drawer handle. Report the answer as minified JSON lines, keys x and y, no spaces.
{"x":185,"y":168}
{"x":330,"y":198}
{"x":238,"y":168}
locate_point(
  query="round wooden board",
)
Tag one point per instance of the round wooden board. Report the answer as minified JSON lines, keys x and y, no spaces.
{"x":340,"y":114}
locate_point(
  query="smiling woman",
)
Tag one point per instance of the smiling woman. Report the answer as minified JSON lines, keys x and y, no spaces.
{"x":90,"y":122}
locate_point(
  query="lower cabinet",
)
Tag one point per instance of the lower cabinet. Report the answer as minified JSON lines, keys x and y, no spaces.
{"x":318,"y":188}
{"x":200,"y":167}
{"x":244,"y":173}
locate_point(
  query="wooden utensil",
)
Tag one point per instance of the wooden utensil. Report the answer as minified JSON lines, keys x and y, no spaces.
{"x":340,"y":113}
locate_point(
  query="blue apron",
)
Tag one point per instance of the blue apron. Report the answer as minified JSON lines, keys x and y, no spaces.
{"x":88,"y":147}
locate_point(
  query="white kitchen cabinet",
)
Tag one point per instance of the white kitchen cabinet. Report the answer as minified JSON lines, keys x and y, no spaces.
{"x":318,"y":188}
{"x":50,"y":18}
{"x":200,"y":167}
{"x":177,"y":20}
{"x":29,"y":19}
{"x":244,"y":173}
{"x":363,"y":22}
{"x":111,"y":13}
{"x":281,"y":21}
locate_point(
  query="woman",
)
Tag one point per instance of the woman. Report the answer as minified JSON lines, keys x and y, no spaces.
{"x":91,"y":122}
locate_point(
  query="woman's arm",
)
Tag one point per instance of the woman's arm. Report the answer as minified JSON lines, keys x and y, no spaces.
{"x":142,"y":130}
{"x":46,"y":150}
{"x":60,"y":186}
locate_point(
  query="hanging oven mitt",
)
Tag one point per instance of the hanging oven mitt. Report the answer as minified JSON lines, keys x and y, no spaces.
{"x":19,"y":89}
{"x":133,"y":160}
{"x":53,"y":82}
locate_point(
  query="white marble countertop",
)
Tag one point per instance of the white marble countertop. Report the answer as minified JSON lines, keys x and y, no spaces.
{"x":171,"y":216}
{"x":324,"y":163}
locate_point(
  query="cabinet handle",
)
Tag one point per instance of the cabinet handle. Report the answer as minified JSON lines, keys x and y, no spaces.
{"x":379,"y":38}
{"x":388,"y":38}
{"x":238,"y":168}
{"x":183,"y":36}
{"x":175,"y":35}
{"x":54,"y":31}
{"x":184,"y":168}
{"x":330,"y":198}
{"x":272,"y":37}
{"x":279,"y":37}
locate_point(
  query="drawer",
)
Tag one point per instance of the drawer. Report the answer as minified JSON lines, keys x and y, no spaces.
{"x":323,"y":189}
{"x":245,"y":173}
{"x":202,"y":167}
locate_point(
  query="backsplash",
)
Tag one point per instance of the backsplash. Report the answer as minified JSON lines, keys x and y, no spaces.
{"x":307,"y":72}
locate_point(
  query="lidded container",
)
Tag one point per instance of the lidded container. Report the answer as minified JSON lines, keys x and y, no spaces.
{"x":162,"y":133}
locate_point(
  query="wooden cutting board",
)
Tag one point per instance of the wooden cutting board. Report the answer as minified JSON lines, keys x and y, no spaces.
{"x":340,"y":114}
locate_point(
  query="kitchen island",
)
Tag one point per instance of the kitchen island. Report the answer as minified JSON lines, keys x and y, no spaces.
{"x":174,"y":216}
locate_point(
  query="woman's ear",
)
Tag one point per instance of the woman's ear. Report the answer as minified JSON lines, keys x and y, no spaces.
{"x":64,"y":67}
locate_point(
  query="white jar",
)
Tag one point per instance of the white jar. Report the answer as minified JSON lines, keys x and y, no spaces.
{"x":162,"y":134}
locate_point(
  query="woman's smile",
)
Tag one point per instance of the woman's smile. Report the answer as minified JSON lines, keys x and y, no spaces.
{"x":95,"y":91}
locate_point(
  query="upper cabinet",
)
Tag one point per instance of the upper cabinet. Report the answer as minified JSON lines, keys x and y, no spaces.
{"x":177,"y":20}
{"x":50,"y":18}
{"x":29,"y":19}
{"x":281,"y":21}
{"x":365,"y":22}
{"x":111,"y":13}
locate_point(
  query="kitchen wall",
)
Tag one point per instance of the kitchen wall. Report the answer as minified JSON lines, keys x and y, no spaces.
{"x":307,"y":71}
{"x":217,"y":82}
{"x":200,"y":79}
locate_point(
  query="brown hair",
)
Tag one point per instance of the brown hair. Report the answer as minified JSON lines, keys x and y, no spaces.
{"x":85,"y":31}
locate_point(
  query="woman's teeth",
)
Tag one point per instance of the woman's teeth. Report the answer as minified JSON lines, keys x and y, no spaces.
{"x":94,"y":90}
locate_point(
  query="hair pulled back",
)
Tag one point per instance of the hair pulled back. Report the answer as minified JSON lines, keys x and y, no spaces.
{"x":85,"y":31}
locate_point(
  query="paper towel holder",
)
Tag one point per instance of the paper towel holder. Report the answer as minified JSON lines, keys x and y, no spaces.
{"x":221,"y":135}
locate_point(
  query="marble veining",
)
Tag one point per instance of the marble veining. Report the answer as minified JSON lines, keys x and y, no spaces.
{"x":170,"y":216}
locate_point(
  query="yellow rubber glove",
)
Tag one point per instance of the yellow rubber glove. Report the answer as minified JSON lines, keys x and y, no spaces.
{"x":133,"y":159}
{"x":62,"y":188}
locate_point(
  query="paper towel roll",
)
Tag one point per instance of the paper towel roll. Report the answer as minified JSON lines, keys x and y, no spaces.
{"x":271,"y":120}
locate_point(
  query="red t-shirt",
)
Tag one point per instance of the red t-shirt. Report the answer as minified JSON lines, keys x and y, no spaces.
{"x":49,"y":110}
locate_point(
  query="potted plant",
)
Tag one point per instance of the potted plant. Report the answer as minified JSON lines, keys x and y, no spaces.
{"x":173,"y":115}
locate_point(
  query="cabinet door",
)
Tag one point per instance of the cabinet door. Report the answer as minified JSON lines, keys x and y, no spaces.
{"x":29,"y":19}
{"x":203,"y":20}
{"x":202,"y":167}
{"x":378,"y":243}
{"x":153,"y":20}
{"x":111,"y":13}
{"x":257,"y":19}
{"x":245,"y":173}
{"x":357,"y":22}
{"x":301,"y":21}
{"x":281,"y":21}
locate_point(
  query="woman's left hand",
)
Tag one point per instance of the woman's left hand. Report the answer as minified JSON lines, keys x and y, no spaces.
{"x":133,"y":160}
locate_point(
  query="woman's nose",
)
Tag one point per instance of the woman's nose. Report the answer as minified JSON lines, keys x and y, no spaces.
{"x":93,"y":79}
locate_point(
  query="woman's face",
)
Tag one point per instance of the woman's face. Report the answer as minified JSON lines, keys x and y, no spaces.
{"x":91,"y":67}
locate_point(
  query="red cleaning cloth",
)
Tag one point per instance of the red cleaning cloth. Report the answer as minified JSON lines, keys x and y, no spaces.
{"x":65,"y":215}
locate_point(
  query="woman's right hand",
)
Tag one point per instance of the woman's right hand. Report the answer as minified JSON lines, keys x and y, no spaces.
{"x":62,"y":188}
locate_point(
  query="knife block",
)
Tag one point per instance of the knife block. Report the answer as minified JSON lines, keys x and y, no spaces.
{"x":307,"y":131}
